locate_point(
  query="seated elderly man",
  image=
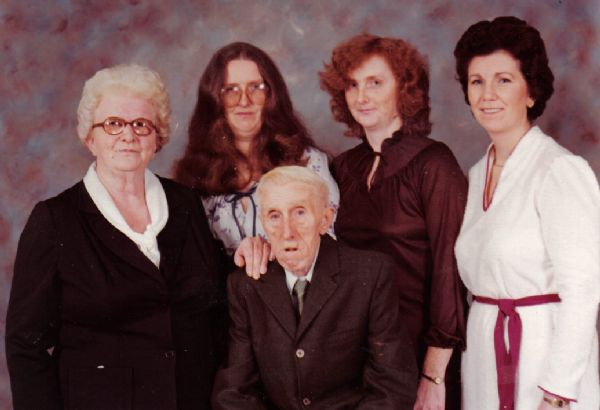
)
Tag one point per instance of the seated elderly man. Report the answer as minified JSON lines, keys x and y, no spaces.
{"x":321,"y":328}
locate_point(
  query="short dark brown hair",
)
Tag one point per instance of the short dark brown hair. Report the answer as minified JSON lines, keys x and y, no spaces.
{"x":211,"y":160}
{"x":409,"y":68}
{"x":520,"y":40}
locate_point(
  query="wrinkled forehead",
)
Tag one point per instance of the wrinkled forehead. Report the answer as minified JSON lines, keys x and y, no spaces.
{"x":284,"y":195}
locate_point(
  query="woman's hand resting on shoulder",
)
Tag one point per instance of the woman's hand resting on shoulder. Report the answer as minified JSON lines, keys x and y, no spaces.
{"x":254,"y":253}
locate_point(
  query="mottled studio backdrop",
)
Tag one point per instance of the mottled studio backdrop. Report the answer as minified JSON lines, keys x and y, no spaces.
{"x":49,"y":47}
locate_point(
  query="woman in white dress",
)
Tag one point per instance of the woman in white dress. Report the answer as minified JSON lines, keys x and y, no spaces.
{"x":529,"y":246}
{"x":243,"y":125}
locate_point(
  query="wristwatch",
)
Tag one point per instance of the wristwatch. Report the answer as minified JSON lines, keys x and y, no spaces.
{"x":556,"y":402}
{"x":435,"y":380}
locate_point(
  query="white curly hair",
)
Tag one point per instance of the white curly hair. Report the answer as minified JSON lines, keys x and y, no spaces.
{"x":133,"y":78}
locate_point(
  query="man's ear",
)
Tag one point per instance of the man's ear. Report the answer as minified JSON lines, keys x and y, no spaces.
{"x":326,"y":221}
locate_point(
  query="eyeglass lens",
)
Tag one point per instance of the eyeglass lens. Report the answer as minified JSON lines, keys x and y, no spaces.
{"x":116,"y":125}
{"x":256,"y":93}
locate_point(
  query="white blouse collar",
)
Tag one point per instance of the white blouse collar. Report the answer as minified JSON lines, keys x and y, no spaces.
{"x":156,"y":200}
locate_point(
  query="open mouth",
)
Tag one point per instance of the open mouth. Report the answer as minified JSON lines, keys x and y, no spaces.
{"x":290,"y":246}
{"x":491,"y":110}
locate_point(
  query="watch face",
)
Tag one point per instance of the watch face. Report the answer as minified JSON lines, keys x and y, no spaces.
{"x":437,"y":380}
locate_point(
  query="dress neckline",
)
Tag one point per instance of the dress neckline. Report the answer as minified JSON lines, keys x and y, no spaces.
{"x":488,"y":197}
{"x":514,"y":157}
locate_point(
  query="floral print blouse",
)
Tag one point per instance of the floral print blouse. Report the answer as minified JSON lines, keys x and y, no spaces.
{"x":230,"y":224}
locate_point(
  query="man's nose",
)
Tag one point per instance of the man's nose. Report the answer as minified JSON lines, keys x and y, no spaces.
{"x":288,"y":229}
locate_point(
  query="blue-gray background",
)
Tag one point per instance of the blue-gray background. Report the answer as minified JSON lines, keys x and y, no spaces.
{"x":49,"y":48}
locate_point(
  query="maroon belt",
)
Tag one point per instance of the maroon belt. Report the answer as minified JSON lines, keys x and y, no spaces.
{"x":508,"y":361}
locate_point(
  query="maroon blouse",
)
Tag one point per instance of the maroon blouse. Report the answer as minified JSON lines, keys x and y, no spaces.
{"x":413,"y":212}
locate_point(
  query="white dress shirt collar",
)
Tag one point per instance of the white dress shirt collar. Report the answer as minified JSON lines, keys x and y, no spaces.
{"x":290,"y":278}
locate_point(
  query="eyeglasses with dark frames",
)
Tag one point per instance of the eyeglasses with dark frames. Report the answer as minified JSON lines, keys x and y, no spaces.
{"x":115,"y":126}
{"x":256,"y":93}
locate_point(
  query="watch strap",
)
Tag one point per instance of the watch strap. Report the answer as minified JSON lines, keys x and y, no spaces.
{"x":434,"y":380}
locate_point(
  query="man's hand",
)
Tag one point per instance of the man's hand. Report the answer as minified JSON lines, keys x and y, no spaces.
{"x":254,"y":253}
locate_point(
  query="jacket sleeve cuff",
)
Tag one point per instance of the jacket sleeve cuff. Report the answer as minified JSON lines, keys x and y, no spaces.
{"x":438,"y":338}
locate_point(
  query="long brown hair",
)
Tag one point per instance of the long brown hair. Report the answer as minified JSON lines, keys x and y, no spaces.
{"x":211,"y":160}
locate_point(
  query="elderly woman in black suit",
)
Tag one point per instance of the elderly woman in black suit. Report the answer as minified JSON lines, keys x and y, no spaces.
{"x":116,"y":278}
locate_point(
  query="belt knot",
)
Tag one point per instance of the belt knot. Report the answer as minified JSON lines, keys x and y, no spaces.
{"x":507,"y":307}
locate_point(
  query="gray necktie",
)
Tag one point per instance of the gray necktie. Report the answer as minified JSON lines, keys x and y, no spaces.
{"x":298,"y":292}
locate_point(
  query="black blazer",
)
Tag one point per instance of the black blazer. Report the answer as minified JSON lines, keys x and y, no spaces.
{"x":93,"y":324}
{"x":349,"y":350}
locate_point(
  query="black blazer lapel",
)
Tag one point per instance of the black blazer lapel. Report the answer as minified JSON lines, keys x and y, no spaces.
{"x":274,"y":293}
{"x":112,"y":238}
{"x":323,"y":283}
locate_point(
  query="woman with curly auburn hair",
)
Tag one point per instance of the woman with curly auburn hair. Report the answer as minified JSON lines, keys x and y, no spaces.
{"x":243,"y":126}
{"x":404,"y":194}
{"x":529,"y":247}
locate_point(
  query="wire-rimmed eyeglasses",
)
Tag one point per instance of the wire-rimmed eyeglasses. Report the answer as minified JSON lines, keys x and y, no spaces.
{"x":256,"y":93}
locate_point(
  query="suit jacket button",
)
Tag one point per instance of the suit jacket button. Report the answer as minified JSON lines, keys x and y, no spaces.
{"x":306,"y":401}
{"x":299,"y":353}
{"x":169,"y":354}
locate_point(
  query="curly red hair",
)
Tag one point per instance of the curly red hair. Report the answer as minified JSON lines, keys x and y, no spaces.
{"x":409,"y":68}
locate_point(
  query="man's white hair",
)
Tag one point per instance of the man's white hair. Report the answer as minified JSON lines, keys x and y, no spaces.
{"x":294,"y":173}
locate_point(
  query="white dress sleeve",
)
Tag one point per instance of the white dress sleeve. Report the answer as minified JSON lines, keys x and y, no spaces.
{"x":568,"y":205}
